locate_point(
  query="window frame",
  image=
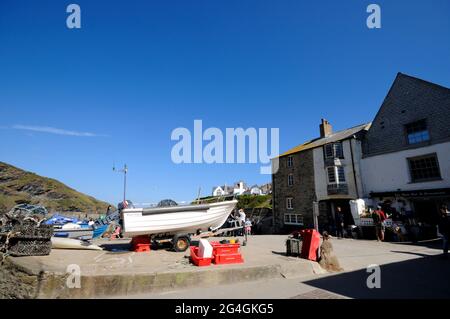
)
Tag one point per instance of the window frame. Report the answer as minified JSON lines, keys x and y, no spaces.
{"x":290,"y":161}
{"x":426,"y":179}
{"x":332,"y":147}
{"x":417,"y":136}
{"x":299,"y":220}
{"x":290,"y":178}
{"x":337,"y":179}
{"x":289,"y":200}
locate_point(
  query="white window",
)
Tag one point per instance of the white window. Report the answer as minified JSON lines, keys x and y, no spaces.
{"x":293,"y":219}
{"x":336,"y":174}
{"x":290,"y":179}
{"x":333,"y":150}
{"x":290,"y":161}
{"x":340,"y":174}
{"x":337,"y":147}
{"x":331,"y":175}
{"x":289,"y":204}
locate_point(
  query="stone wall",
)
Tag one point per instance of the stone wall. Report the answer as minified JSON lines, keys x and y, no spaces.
{"x":302,"y":192}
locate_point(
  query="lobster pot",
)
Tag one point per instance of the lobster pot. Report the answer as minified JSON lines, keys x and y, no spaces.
{"x":29,"y":247}
{"x":30,"y":231}
{"x":30,"y":240}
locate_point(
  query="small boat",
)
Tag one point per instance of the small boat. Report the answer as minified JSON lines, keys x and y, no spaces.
{"x":71,"y":230}
{"x":174,"y":220}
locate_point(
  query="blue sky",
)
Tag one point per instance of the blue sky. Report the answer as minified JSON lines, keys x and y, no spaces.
{"x":136,"y":70}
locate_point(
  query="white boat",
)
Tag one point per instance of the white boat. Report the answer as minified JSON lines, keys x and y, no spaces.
{"x":72,"y":230}
{"x":174,"y":220}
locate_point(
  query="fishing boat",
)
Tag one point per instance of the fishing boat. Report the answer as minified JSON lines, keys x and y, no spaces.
{"x":175,"y":220}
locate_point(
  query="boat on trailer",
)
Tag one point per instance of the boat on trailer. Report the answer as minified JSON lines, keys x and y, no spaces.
{"x":176,"y":223}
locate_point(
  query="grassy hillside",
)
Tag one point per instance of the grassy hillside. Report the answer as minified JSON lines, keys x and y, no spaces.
{"x":19,"y":186}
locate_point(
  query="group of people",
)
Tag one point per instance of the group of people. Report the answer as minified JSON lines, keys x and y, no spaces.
{"x":238,"y":219}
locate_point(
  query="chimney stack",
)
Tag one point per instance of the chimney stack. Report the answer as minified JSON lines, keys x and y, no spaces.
{"x":325,"y":128}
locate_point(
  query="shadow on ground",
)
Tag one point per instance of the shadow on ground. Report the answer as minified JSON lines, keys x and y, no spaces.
{"x":423,"y":277}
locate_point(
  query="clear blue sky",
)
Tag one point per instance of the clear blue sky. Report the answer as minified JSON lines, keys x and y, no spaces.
{"x":138,"y":69}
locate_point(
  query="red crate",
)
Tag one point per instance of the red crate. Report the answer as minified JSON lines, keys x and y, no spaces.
{"x":225,"y":249}
{"x":140,"y":244}
{"x":197,"y":260}
{"x":228,"y":259}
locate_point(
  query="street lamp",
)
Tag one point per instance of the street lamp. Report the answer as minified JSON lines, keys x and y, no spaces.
{"x":124,"y":171}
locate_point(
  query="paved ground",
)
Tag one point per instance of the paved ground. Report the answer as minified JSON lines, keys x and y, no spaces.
{"x":407,"y":271}
{"x":117,"y":259}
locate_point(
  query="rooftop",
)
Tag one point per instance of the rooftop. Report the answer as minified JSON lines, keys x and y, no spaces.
{"x":338,"y":136}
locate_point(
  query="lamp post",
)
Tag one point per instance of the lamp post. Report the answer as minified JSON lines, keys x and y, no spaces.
{"x":124,"y":171}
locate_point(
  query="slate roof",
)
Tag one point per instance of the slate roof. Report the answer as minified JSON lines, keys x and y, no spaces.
{"x":337,"y":136}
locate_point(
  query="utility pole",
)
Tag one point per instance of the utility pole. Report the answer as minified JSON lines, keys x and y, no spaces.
{"x":124,"y":171}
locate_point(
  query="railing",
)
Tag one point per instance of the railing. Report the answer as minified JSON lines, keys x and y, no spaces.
{"x":337,"y":189}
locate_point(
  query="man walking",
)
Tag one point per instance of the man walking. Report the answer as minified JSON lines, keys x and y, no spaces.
{"x":444,"y":228}
{"x":339,"y":217}
{"x":379,"y":217}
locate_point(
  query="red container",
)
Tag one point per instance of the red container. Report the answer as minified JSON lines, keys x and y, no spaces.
{"x":228,"y":259}
{"x":224,"y":249}
{"x":140,"y":244}
{"x":311,"y":242}
{"x":197,"y":260}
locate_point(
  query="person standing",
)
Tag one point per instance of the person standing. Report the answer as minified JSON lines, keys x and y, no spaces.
{"x":444,"y":228}
{"x":339,"y":218}
{"x":378,"y":218}
{"x":242,"y":221}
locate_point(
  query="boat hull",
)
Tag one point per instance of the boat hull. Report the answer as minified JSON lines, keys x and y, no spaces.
{"x":85,"y":233}
{"x":175,"y":220}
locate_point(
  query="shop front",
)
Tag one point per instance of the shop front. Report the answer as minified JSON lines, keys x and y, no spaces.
{"x":416,"y":210}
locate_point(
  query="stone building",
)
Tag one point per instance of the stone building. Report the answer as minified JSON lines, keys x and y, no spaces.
{"x":315,"y":177}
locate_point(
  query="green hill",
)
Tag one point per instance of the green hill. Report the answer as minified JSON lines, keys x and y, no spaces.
{"x":18,"y":186}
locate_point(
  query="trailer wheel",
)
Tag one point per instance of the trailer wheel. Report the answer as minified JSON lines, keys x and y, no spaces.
{"x":181,"y":243}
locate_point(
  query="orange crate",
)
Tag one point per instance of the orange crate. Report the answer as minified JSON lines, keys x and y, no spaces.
{"x":140,"y":244}
{"x":228,"y":259}
{"x":225,"y":249}
{"x":197,"y":260}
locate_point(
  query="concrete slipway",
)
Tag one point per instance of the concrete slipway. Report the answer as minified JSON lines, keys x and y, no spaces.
{"x":118,"y":272}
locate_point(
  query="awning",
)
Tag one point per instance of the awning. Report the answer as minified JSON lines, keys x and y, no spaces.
{"x":437,"y":192}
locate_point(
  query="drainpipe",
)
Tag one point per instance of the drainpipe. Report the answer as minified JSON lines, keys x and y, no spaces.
{"x":353,"y":167}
